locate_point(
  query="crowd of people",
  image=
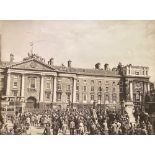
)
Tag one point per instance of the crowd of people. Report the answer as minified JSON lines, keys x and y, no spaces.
{"x":86,"y":121}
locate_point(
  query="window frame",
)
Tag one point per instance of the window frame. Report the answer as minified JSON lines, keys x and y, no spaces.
{"x":30,"y":82}
{"x":59,"y":95}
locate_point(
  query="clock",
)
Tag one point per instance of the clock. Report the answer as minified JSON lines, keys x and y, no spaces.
{"x":33,"y":64}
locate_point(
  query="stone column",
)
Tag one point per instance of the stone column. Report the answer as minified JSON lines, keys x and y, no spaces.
{"x":74,"y":90}
{"x":42,"y":89}
{"x":23,"y":85}
{"x":148,"y":87}
{"x":8,"y":84}
{"x":131,"y":91}
{"x":54,"y":88}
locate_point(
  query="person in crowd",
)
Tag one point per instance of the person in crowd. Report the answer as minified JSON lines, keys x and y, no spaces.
{"x":79,"y":121}
{"x":72,"y":127}
{"x":64,"y":127}
{"x":81,"y":127}
{"x":47,"y":130}
{"x":55,"y":127}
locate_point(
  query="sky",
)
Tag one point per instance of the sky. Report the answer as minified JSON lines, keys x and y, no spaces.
{"x":83,"y":42}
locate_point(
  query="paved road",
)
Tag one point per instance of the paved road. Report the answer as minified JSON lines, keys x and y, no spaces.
{"x":34,"y":130}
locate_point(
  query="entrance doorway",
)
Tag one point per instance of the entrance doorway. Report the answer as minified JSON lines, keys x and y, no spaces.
{"x":31,"y":102}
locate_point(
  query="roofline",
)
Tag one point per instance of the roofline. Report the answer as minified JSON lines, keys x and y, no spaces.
{"x":18,"y":63}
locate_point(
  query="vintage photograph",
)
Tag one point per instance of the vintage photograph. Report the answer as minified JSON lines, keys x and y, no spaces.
{"x":77,"y":77}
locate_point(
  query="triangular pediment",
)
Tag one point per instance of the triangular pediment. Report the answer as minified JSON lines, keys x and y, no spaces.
{"x":32,"y":64}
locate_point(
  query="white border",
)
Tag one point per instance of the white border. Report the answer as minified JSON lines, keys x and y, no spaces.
{"x":77,"y":10}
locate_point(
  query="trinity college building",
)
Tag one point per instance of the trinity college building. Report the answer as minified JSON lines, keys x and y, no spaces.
{"x":35,"y":84}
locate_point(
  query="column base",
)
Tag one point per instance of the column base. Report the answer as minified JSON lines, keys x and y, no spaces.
{"x":129,"y":108}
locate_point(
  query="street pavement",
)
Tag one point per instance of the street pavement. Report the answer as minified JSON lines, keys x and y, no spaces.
{"x":34,"y":130}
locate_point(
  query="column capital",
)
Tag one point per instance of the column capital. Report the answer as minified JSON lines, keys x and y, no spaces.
{"x":8,"y":73}
{"x":42,"y":74}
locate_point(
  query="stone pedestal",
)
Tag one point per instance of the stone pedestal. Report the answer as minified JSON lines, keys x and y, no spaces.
{"x":129,"y":108}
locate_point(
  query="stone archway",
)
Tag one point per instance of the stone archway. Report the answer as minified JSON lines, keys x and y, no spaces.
{"x":31,"y":102}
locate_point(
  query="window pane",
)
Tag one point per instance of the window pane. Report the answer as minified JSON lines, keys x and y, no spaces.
{"x":59,"y":96}
{"x":84,"y":88}
{"x":92,"y":97}
{"x":59,"y":87}
{"x":68,"y":87}
{"x":77,"y":88}
{"x":77,"y":97}
{"x":32,"y":85}
{"x":48,"y":85}
{"x":15,"y":84}
{"x":48,"y":95}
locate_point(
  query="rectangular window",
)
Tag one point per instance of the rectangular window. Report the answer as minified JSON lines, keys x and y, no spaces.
{"x":68,"y":97}
{"x":99,"y":89}
{"x":92,"y":97}
{"x":92,"y":88}
{"x":14,"y":93}
{"x":99,"y":97}
{"x":58,"y":86}
{"x":68,"y":87}
{"x":32,"y":83}
{"x":48,"y":85}
{"x":58,"y":96}
{"x":77,"y":87}
{"x":77,"y":97}
{"x":48,"y":94}
{"x":137,"y":73}
{"x":84,"y":88}
{"x":15,"y":84}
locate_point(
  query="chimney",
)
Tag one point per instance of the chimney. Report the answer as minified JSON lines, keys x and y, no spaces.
{"x":11,"y":57}
{"x":51,"y":62}
{"x":106,"y":67}
{"x":97,"y":66}
{"x":69,"y":63}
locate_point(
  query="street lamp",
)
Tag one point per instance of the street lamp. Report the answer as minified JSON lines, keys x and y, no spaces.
{"x":122,"y":107}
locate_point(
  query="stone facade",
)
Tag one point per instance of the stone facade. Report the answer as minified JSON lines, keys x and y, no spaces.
{"x":34,"y":82}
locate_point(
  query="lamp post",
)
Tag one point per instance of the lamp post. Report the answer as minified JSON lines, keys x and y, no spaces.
{"x":100,"y":106}
{"x":122,"y":107}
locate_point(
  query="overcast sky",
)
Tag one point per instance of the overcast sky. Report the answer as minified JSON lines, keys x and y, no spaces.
{"x":84,"y":42}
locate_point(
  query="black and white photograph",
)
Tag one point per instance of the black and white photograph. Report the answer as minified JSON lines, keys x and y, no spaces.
{"x":77,"y":77}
